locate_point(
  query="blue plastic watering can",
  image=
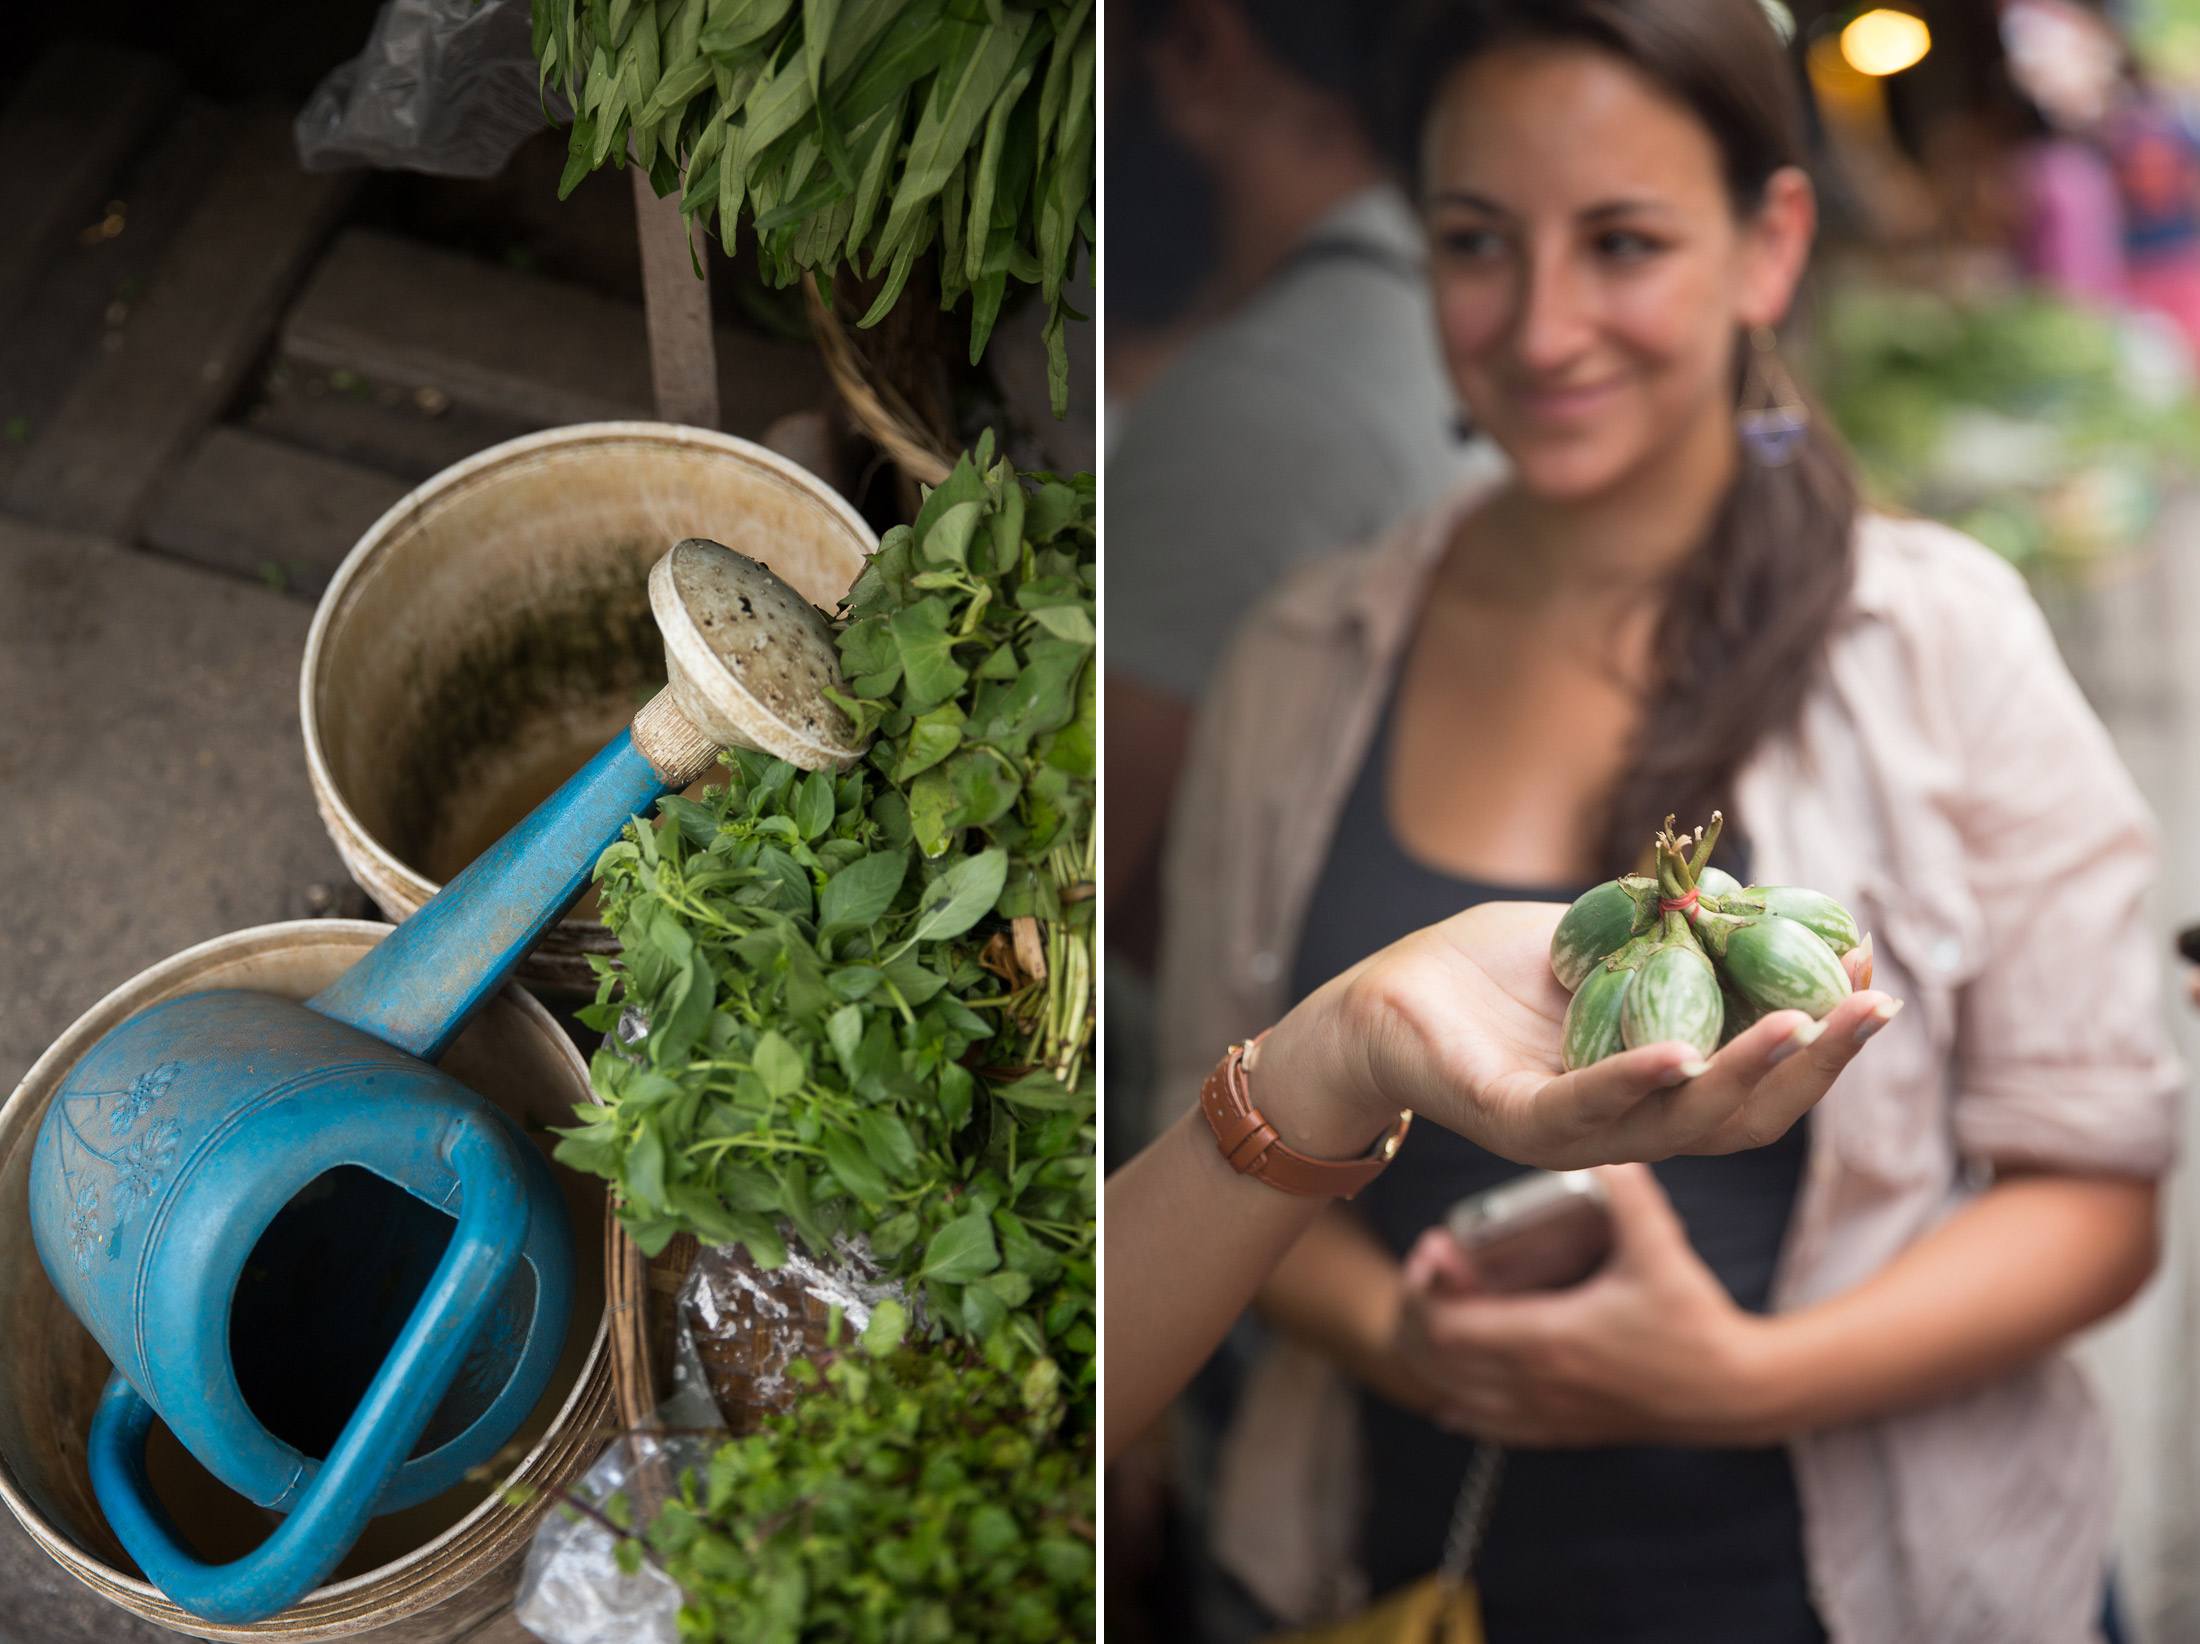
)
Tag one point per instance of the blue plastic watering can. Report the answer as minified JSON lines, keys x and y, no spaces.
{"x":341,"y":1278}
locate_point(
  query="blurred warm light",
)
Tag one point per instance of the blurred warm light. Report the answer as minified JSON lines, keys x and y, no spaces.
{"x":1885,"y":42}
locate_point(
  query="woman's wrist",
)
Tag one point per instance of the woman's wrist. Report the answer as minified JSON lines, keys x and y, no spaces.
{"x":1296,"y":1077}
{"x":1763,"y":1400}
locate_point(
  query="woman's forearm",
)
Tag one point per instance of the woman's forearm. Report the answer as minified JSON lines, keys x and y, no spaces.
{"x":1189,"y":1240}
{"x":1342,"y":1293}
{"x":2032,"y":1261}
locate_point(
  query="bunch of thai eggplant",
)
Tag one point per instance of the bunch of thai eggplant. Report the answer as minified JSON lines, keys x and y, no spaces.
{"x":1687,"y":954}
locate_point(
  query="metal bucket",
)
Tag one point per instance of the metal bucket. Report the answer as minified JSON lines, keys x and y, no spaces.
{"x":424,"y":1576}
{"x":492,"y":631}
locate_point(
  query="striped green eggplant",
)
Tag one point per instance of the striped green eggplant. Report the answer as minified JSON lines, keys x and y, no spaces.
{"x":1834,"y":924}
{"x":1717,"y":884}
{"x":1675,"y":996}
{"x":1592,"y":1030}
{"x":1598,"y":923}
{"x":1780,"y":964}
{"x":1741,"y":1015}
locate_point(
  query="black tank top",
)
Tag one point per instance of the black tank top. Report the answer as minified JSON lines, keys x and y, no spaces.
{"x":1639,"y":1544}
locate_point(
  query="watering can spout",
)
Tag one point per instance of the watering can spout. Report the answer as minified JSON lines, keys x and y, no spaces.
{"x":749,"y":663}
{"x":423,"y":984}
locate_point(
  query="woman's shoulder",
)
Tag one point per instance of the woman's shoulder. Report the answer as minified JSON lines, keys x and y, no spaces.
{"x":1908,"y":567}
{"x":1947,"y":595}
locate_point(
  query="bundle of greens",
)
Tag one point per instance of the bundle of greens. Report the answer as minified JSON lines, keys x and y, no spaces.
{"x":863,"y":132}
{"x":2050,"y":432}
{"x":912,"y":1498}
{"x":859,"y":1005}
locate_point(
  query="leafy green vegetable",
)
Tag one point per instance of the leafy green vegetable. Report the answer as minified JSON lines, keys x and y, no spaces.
{"x":2050,"y":432}
{"x":864,"y":999}
{"x":913,"y":1496}
{"x":859,"y":132}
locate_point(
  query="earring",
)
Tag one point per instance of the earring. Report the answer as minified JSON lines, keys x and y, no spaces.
{"x":1773,"y":420}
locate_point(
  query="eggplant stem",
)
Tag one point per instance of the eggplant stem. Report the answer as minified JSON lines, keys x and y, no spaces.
{"x":1704,"y":850}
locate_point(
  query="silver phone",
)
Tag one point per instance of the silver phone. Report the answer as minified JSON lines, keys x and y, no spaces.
{"x":1542,"y":1231}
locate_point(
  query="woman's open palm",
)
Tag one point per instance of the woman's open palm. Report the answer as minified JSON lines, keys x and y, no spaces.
{"x":1461,"y":1022}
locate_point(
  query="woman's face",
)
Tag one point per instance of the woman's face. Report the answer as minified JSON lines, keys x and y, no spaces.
{"x":1590,"y":272}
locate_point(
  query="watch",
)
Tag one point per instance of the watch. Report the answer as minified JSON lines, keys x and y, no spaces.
{"x":1254,"y":1149}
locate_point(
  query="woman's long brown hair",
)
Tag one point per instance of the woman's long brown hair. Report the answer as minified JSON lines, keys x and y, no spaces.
{"x":1744,"y":635}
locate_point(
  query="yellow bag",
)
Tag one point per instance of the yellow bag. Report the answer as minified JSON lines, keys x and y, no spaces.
{"x":1437,"y":1609}
{"x":1434,"y":1610}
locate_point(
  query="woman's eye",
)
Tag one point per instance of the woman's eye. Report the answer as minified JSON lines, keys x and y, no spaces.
{"x":1472,"y":244}
{"x":1625,"y":246}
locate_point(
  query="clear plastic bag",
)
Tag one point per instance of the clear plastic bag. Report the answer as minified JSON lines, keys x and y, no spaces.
{"x":444,"y":86}
{"x":572,"y":1590}
{"x":740,"y":1326}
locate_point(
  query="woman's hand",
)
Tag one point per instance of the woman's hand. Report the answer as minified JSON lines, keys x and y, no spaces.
{"x":1651,"y":1350}
{"x":1461,"y":1023}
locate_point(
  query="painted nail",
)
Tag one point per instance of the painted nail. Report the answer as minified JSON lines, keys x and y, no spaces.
{"x":1882,"y":1013}
{"x":1804,"y":1035}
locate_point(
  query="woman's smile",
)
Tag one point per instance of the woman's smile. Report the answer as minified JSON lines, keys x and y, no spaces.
{"x":1563,"y":404}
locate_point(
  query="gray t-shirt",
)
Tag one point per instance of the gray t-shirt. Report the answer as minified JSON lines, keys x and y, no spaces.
{"x":1310,"y":420}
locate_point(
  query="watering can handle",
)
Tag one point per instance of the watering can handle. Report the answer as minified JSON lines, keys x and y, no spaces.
{"x":423,"y":982}
{"x":382,"y":1430}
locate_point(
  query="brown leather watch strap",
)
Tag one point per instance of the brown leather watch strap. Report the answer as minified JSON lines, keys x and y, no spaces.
{"x":1254,"y":1149}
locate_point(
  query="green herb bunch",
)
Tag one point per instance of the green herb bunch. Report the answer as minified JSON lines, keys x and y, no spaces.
{"x":838,"y":1036}
{"x":863,"y":132}
{"x":912,"y":1498}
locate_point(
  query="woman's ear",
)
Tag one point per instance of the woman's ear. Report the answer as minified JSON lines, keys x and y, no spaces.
{"x":1777,"y":247}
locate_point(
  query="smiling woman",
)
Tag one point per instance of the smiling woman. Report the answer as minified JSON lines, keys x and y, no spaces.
{"x":1817,"y":1391}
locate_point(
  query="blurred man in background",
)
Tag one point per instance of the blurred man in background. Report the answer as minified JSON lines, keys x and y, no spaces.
{"x":1307,"y":416}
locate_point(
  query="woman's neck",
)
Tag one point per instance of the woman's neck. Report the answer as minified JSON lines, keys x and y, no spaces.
{"x":1617,"y":546}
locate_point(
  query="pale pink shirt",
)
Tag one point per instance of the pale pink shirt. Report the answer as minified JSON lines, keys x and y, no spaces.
{"x":1948,"y":783}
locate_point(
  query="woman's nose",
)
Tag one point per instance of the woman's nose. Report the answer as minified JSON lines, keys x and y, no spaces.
{"x":1555,"y":318}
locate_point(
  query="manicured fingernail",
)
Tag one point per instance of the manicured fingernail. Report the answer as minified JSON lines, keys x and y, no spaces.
{"x":1882,"y":1014}
{"x":1687,"y":1071}
{"x":1804,"y":1035}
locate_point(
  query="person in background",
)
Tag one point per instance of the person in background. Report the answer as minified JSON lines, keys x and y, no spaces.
{"x":1819,"y":1392}
{"x":1309,"y":415}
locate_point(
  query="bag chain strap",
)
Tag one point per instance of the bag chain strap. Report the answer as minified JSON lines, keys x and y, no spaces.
{"x":1470,"y":1517}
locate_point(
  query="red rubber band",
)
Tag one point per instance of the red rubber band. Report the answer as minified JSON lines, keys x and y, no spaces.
{"x":1684,"y":904}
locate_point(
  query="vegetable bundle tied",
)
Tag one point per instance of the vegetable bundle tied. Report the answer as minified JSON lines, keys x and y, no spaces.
{"x":1689,"y":955}
{"x":857,"y":132}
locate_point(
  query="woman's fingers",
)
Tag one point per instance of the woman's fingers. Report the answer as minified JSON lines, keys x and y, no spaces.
{"x":1791,"y":1087}
{"x":1752,"y":1090}
{"x":1570,"y":1118}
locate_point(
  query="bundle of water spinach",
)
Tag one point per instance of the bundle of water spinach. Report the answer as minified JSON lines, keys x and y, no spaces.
{"x":1687,"y":954}
{"x":857,"y":133}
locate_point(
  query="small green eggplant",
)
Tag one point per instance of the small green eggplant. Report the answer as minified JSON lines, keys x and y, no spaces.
{"x":1597,"y":925}
{"x":1718,"y":884}
{"x":1592,"y":1030}
{"x":1833,"y":923}
{"x":1675,"y":996}
{"x":1781,"y":964}
{"x":1741,"y":1015}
